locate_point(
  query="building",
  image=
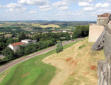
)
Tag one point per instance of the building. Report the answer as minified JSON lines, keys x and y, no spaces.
{"x":103,"y":19}
{"x":28,"y":41}
{"x":16,"y":46}
{"x":95,"y":30}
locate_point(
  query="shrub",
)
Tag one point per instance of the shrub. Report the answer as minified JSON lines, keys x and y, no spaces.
{"x":8,"y":53}
{"x":59,"y":47}
{"x":80,"y":31}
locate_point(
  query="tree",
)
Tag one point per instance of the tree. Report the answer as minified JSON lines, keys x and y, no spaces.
{"x":59,"y":47}
{"x":80,"y":31}
{"x":22,"y":36}
{"x":8,"y":53}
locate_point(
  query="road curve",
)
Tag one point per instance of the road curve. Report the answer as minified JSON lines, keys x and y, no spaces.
{"x":21,"y":59}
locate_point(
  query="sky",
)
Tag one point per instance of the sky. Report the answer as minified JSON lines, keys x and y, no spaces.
{"x":63,"y":10}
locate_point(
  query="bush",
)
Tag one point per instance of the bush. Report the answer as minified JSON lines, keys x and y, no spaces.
{"x":80,"y":31}
{"x":59,"y":47}
{"x":8,"y":53}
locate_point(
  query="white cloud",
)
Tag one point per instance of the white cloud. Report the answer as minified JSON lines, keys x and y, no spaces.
{"x":99,"y":5}
{"x":90,"y":0}
{"x":45,"y":7}
{"x":83,"y":4}
{"x":63,"y":8}
{"x":33,"y":12}
{"x":13,"y":7}
{"x":33,"y":2}
{"x":88,"y":8}
{"x":61,"y":5}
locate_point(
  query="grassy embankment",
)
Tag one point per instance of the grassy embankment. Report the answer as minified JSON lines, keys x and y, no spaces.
{"x":76,"y":65}
{"x":30,"y":72}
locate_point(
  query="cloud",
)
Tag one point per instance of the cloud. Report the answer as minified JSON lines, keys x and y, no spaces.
{"x":63,"y":8}
{"x":33,"y":12}
{"x":90,"y":0}
{"x":83,"y":4}
{"x":33,"y":2}
{"x":45,"y":7}
{"x":61,"y":5}
{"x":88,"y":8}
{"x":13,"y":7}
{"x":99,"y":5}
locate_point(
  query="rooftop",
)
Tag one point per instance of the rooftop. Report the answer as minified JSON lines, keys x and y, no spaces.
{"x":17,"y":43}
{"x":104,"y":15}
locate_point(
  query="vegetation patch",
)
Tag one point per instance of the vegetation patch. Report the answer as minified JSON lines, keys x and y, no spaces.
{"x":82,"y":46}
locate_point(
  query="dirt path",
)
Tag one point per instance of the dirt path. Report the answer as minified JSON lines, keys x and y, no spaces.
{"x":19,"y":60}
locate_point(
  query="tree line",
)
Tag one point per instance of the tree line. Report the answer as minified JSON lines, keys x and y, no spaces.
{"x":44,"y":40}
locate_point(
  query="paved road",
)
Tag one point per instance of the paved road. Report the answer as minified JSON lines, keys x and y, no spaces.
{"x":19,"y":60}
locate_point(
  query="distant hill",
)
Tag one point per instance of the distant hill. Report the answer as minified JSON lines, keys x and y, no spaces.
{"x":45,"y":22}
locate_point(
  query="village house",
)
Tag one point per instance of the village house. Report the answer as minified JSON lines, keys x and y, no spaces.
{"x":28,"y":41}
{"x":16,"y":46}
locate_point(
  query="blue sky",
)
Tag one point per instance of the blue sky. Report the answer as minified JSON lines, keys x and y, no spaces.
{"x":68,"y":10}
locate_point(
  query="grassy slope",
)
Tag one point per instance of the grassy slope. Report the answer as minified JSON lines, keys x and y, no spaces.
{"x":85,"y":72}
{"x":82,"y":61}
{"x":31,"y":72}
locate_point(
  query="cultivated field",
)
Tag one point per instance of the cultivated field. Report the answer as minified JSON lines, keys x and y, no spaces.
{"x":46,"y":26}
{"x":76,"y":65}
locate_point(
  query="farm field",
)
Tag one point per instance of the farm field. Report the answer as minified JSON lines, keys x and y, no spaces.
{"x":46,"y":26}
{"x":31,"y":72}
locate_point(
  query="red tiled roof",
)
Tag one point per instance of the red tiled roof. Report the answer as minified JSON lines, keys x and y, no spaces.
{"x":18,"y":43}
{"x":104,"y":15}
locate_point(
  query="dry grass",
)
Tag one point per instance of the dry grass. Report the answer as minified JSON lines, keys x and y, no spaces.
{"x":46,"y":26}
{"x":76,"y":66}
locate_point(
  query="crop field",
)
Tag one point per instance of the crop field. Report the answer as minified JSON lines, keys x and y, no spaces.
{"x":46,"y":26}
{"x":31,"y":72}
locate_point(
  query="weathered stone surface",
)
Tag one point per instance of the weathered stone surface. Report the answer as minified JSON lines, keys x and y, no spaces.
{"x":95,"y":31}
{"x":104,"y":41}
{"x":102,"y":73}
{"x":99,"y":44}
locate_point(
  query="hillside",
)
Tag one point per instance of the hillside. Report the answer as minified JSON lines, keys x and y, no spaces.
{"x":76,"y":65}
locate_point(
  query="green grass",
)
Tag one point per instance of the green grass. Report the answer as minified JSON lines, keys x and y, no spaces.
{"x":82,"y":46}
{"x":31,"y":72}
